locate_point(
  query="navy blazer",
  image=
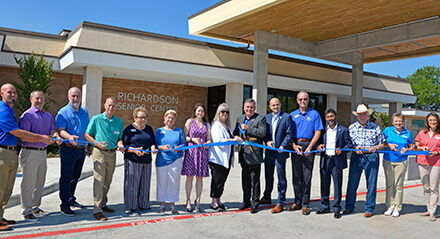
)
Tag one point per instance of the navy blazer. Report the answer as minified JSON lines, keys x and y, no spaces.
{"x":343,"y":141}
{"x":284,"y":131}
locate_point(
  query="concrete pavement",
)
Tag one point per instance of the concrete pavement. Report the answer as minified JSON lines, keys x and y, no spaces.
{"x":236,"y":225}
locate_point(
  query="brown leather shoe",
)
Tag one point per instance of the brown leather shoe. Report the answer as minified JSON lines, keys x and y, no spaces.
{"x":294,"y":207}
{"x":5,"y":228}
{"x":278,"y":208}
{"x":368,"y":214}
{"x":265,"y":201}
{"x":7,"y":222}
{"x":346,"y":211}
{"x":107,"y":209}
{"x":305,"y":211}
{"x":99,"y":216}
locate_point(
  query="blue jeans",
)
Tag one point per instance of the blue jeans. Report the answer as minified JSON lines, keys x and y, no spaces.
{"x":72,"y":161}
{"x":274,"y":159}
{"x":369,"y":163}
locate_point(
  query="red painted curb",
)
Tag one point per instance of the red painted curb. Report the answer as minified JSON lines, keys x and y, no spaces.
{"x":158,"y":220}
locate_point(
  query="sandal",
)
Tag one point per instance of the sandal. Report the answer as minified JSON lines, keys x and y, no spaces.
{"x":173,"y":210}
{"x":197,"y":208}
{"x":162,"y":209}
{"x":188,"y":208}
{"x":222,"y":206}
{"x":213,"y":208}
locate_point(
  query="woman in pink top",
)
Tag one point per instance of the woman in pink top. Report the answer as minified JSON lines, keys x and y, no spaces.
{"x":429,"y":166}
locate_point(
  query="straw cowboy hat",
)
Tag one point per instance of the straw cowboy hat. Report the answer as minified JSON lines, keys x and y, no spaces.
{"x":361,"y":109}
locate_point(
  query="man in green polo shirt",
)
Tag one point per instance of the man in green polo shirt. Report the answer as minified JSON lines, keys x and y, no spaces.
{"x":104,"y":131}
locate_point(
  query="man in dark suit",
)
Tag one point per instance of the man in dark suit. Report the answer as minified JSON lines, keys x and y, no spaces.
{"x":279,"y":132}
{"x":250,"y":127}
{"x":333,"y":161}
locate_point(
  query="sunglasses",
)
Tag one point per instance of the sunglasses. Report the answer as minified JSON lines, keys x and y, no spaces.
{"x":224,"y":112}
{"x":143,"y":117}
{"x":303,"y":99}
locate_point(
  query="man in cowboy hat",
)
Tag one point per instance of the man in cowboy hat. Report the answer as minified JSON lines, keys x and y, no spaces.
{"x":365,"y":135}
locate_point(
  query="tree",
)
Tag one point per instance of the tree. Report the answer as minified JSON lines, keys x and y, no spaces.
{"x":35,"y":73}
{"x":425,"y":83}
{"x":380,"y":118}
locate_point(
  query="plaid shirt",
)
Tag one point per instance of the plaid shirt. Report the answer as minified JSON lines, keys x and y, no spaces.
{"x":368,"y":136}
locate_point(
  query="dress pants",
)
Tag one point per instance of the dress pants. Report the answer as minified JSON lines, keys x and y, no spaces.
{"x":8,"y":171}
{"x":358,"y":163}
{"x":302,"y":168}
{"x":103,"y":168}
{"x":430,"y":176}
{"x":274,"y":160}
{"x":219,"y":175}
{"x":34,"y":166}
{"x":137,"y":180}
{"x":328,"y":171}
{"x":72,"y":161}
{"x":250,"y":182}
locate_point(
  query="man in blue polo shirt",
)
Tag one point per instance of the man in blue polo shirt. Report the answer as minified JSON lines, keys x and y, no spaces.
{"x":71,"y":121}
{"x":9,"y":132}
{"x":308,"y":126}
{"x":104,"y":131}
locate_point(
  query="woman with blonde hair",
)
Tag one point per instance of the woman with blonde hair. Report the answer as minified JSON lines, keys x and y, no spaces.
{"x":220,"y":157}
{"x":169,"y":163}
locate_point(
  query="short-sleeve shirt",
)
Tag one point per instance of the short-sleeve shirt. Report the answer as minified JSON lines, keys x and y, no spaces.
{"x":174,"y":138}
{"x":306,"y":123}
{"x":401,"y":139}
{"x":433,"y":144}
{"x":8,"y":123}
{"x":135,"y":138}
{"x":36,"y":121}
{"x":106,"y":130}
{"x":366,"y":136}
{"x":74,"y":122}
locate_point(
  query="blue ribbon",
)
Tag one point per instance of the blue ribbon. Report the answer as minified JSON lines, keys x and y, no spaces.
{"x":247,"y":143}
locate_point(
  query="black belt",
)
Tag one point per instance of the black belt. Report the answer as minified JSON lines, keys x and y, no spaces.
{"x":304,"y":140}
{"x":13,"y":148}
{"x":75,"y":147}
{"x":32,"y":148}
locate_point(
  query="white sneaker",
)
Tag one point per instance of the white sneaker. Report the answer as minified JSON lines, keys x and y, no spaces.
{"x":388,"y":212}
{"x":396,"y":213}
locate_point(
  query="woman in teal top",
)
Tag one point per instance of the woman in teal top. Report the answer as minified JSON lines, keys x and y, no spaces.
{"x":395,"y":164}
{"x":169,"y":163}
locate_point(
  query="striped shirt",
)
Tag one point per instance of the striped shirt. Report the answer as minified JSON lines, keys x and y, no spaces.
{"x":366,"y":136}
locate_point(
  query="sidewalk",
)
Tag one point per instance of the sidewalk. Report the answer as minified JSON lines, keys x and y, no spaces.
{"x":53,"y":176}
{"x":234,"y":225}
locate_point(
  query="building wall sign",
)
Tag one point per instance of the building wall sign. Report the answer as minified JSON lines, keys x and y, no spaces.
{"x":156,"y":97}
{"x":152,"y":102}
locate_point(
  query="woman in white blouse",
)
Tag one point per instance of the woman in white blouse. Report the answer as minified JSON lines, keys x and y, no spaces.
{"x":220,"y":157}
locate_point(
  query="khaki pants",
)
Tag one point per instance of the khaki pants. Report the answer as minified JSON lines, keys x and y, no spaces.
{"x":103,"y":168}
{"x":33,"y":164}
{"x":8,"y":171}
{"x":394,"y":177}
{"x":430,"y":176}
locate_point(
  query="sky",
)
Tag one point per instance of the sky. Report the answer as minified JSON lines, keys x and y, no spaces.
{"x":169,"y":17}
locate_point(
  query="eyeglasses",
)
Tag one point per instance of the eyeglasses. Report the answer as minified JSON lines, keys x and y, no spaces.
{"x":142,"y":117}
{"x":224,"y":112}
{"x":303,"y":99}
